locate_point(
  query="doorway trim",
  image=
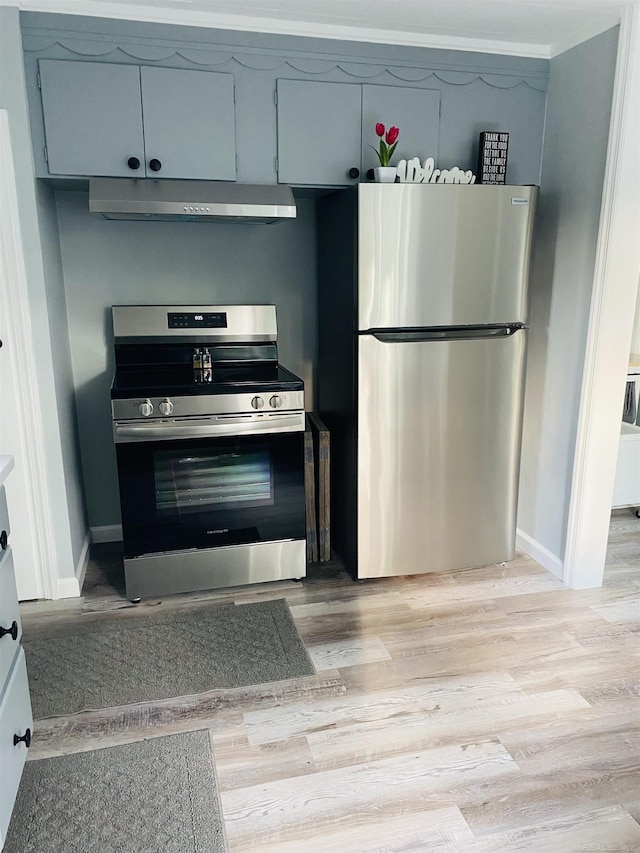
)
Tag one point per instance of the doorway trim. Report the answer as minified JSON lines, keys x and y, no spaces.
{"x":615,"y":285}
{"x":31,"y":465}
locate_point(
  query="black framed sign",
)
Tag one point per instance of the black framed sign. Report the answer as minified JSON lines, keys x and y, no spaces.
{"x":492,"y":157}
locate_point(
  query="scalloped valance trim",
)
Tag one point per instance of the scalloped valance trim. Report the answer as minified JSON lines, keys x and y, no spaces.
{"x":270,"y":60}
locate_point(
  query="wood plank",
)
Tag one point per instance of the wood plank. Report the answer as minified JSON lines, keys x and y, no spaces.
{"x":113,"y":726}
{"x":536,"y":798}
{"x":438,"y":726}
{"x":610,"y":828}
{"x":241,"y":764}
{"x":419,"y":831}
{"x":310,"y":495}
{"x":350,"y":652}
{"x":281,"y":808}
{"x":322,"y":451}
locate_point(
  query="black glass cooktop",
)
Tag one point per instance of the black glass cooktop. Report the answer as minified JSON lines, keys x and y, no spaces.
{"x":176,"y":380}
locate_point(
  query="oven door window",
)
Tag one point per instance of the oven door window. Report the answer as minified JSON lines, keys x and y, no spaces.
{"x":207,"y":493}
{"x":208,"y":481}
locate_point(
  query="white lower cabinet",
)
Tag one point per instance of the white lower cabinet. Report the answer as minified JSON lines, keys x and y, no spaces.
{"x":16,"y":720}
{"x":16,"y":726}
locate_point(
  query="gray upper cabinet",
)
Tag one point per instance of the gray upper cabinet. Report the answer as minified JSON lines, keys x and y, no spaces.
{"x":92,"y":117}
{"x":325,"y":130}
{"x":189,"y":123}
{"x":131,"y":121}
{"x":319,"y":132}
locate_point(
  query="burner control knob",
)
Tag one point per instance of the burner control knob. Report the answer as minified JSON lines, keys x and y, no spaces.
{"x":146,"y":408}
{"x":257,"y":402}
{"x":276,"y":402}
{"x":166,"y":407}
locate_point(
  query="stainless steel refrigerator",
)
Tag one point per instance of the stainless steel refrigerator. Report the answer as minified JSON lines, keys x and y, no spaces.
{"x":422,"y":342}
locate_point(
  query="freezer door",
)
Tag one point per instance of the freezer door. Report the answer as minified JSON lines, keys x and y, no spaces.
{"x":443,"y":254}
{"x":439,"y":427}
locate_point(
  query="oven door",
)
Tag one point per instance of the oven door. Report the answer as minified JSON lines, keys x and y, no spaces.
{"x":182,"y":493}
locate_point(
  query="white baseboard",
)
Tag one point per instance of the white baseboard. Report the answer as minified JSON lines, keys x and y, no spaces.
{"x":83,"y":561}
{"x":72,"y":587}
{"x":106,"y":533}
{"x":68,"y":588}
{"x":540,"y":554}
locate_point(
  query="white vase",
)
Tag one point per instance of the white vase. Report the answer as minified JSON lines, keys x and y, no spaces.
{"x":385,"y":174}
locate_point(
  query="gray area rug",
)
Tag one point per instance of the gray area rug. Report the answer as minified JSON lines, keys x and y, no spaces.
{"x":121,"y":661}
{"x":156,"y":795}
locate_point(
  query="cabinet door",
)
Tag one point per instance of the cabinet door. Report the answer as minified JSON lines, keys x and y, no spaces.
{"x":319,"y":136}
{"x":9,"y":613}
{"x":92,"y":117}
{"x":189,"y":123}
{"x":415,"y":111}
{"x":9,"y":610}
{"x":15,"y":719}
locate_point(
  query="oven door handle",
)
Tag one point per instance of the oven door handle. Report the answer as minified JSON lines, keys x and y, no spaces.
{"x":225,"y":427}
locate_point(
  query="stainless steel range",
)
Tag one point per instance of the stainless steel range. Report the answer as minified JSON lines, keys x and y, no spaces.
{"x":209,"y":431}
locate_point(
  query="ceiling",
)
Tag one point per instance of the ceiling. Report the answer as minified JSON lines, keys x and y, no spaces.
{"x":540,"y":28}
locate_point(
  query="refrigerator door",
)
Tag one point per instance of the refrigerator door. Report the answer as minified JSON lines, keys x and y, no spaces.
{"x":439,"y":426}
{"x":443,"y":254}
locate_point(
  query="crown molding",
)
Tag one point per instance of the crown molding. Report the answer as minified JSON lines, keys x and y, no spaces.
{"x":603,"y":24}
{"x":159,"y":14}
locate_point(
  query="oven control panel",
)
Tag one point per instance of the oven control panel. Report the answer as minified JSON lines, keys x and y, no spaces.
{"x":157,"y":408}
{"x":217,"y":320}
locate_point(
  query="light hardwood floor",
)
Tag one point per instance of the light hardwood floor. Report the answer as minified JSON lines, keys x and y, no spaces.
{"x":484,"y":710}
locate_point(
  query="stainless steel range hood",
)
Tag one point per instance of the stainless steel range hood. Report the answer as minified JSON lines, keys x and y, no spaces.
{"x":167,"y":200}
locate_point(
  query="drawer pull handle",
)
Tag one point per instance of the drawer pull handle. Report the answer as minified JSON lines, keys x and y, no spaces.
{"x":25,"y":739}
{"x":12,"y":631}
{"x":4,"y":540}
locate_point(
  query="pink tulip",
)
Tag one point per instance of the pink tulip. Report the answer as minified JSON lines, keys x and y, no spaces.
{"x":380,"y":129}
{"x":392,"y":134}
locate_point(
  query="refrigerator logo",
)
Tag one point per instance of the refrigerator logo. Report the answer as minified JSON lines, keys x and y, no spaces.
{"x":519,"y":201}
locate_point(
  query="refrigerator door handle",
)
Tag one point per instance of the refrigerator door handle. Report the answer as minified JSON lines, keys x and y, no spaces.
{"x":451,"y":333}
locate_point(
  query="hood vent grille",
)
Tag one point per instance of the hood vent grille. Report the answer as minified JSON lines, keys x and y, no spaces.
{"x":195,"y":201}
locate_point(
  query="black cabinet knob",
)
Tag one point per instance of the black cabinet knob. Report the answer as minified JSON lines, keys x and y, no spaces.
{"x":133,"y":163}
{"x":4,"y":540}
{"x":370,"y":174}
{"x":25,"y":739}
{"x":12,"y":631}
{"x":354,"y":173}
{"x":155,"y":165}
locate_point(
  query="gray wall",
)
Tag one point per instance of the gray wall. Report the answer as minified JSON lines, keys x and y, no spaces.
{"x":575,"y":148}
{"x":61,"y":463}
{"x":107,"y":263}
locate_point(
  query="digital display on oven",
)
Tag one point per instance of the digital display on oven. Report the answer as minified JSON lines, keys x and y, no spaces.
{"x":198,"y":321}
